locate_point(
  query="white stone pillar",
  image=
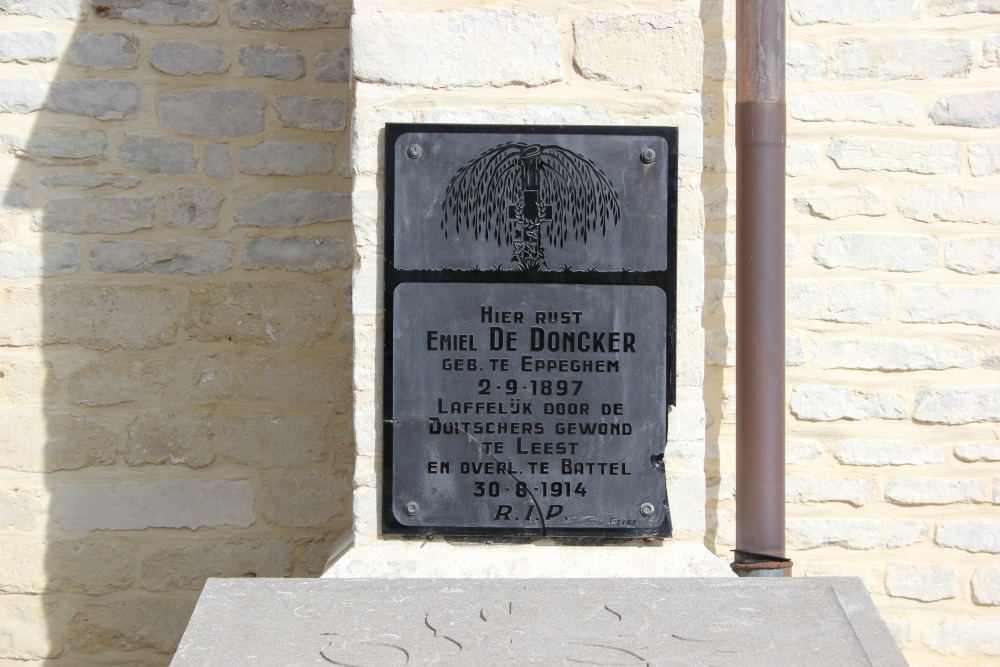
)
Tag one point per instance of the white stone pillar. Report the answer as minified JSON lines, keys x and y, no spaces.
{"x":562,"y":65}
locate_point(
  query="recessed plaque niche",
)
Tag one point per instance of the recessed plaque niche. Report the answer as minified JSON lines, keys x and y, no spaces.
{"x":530,"y":286}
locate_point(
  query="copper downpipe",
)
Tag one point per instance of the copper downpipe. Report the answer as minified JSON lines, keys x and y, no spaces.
{"x":760,"y":289}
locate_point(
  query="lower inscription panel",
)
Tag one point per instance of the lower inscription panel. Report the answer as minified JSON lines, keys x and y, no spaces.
{"x":529,"y":408}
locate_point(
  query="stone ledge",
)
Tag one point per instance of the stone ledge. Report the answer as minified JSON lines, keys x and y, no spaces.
{"x":822,"y":622}
{"x":443,"y":559}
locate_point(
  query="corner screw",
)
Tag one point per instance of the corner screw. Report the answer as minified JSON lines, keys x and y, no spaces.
{"x":646,"y":509}
{"x":412,"y":508}
{"x":414,"y":151}
{"x":647,"y":155}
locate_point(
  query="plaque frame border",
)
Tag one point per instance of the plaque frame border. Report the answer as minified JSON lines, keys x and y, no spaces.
{"x":392,"y":277}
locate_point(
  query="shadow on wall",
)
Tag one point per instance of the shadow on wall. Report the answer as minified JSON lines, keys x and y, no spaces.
{"x":175,"y":266}
{"x":718,"y":96}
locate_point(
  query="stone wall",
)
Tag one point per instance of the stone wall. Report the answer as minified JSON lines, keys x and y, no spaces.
{"x":176,"y":293}
{"x":892,"y":305}
{"x":175,"y":254}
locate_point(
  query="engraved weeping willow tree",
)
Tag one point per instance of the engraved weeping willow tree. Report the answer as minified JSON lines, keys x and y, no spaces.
{"x":515,"y":193}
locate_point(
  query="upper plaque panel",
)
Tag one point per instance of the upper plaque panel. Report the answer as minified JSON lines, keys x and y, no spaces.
{"x":478,"y":200}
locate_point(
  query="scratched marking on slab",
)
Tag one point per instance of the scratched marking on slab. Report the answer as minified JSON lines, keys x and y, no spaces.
{"x":499,"y":628}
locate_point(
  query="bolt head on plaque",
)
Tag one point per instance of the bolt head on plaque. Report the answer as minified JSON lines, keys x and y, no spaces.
{"x":411,"y":508}
{"x":647,"y":509}
{"x":647,"y":156}
{"x":414,"y":151}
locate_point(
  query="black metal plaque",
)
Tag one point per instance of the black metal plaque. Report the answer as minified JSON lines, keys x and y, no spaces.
{"x":530,"y":322}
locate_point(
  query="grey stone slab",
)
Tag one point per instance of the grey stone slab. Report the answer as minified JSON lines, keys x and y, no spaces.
{"x":175,"y":504}
{"x":181,"y":58}
{"x":104,"y":99}
{"x":819,"y":621}
{"x":333,"y":66}
{"x":297,"y":15}
{"x":272,"y":61}
{"x":213,"y":112}
{"x":110,"y":51}
{"x":159,"y":12}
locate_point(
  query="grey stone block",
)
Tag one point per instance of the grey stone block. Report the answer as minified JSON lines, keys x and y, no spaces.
{"x":100,"y":317}
{"x":157,"y":155}
{"x":97,"y":215}
{"x":253,"y":312}
{"x":309,"y":255}
{"x":216,"y":112}
{"x":88,"y":181}
{"x":190,"y":257}
{"x":188,"y":58}
{"x":957,"y":405}
{"x":904,"y":57}
{"x":72,"y":441}
{"x":271,"y":441}
{"x":26,"y":46}
{"x":809,"y":12}
{"x":326,"y":114}
{"x":218,"y":162}
{"x":186,"y":567}
{"x":194,"y":206}
{"x":159,"y":12}
{"x":286,"y":158}
{"x":128,"y":625}
{"x":106,"y":99}
{"x":272,"y":61}
{"x":333,"y":66}
{"x":51,"y":259}
{"x":21,"y":95}
{"x":13,"y":198}
{"x":66,"y":10}
{"x":956,"y":7}
{"x":289,"y":15}
{"x":293,"y":208}
{"x":103,"y":51}
{"x":754,"y":622}
{"x":979,"y":108}
{"x":170,"y":437}
{"x":67,"y":147}
{"x":176,"y":504}
{"x":189,"y":379}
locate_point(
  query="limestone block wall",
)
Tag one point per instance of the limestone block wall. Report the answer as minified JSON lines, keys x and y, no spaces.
{"x":175,"y":328}
{"x":188,"y":268}
{"x":892,"y":307}
{"x":528,"y":63}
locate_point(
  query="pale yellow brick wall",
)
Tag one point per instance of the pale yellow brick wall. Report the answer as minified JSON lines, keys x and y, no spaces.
{"x":176,"y":369}
{"x":175,"y":328}
{"x":892,"y":299}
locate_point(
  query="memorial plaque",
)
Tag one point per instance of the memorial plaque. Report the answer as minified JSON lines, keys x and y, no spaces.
{"x":530,"y":322}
